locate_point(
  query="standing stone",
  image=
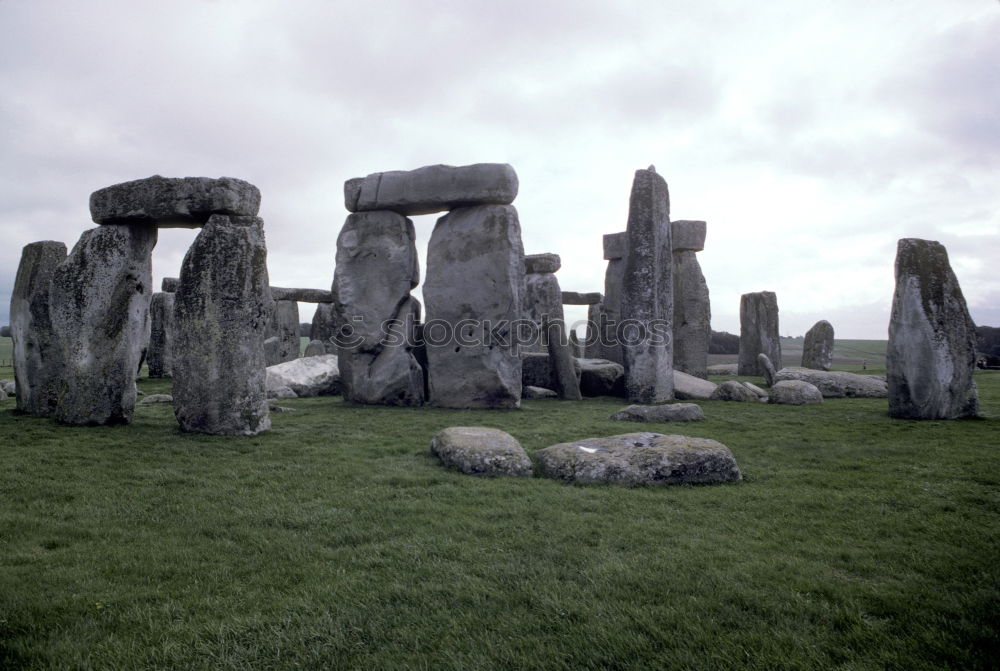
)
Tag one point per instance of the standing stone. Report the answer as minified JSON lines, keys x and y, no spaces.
{"x":932,"y":340}
{"x":543,"y":306}
{"x":161,"y":318}
{"x":692,"y":305}
{"x":817,"y":350}
{"x":542,"y":302}
{"x":377,"y":267}
{"x":324,"y":327}
{"x":283,"y":333}
{"x":38,"y":363}
{"x":221,"y":315}
{"x":647,"y":292}
{"x":758,"y":331}
{"x":100,"y":313}
{"x":602,"y":340}
{"x":474,"y":293}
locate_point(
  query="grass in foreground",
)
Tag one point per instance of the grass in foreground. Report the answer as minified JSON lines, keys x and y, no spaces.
{"x":336,"y":541}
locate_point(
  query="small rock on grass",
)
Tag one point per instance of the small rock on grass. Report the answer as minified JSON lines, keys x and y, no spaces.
{"x":156,"y":398}
{"x":674,"y":412}
{"x":477,"y":450}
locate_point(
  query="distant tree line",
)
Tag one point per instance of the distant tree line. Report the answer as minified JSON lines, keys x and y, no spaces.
{"x":724,"y":343}
{"x":988,"y":344}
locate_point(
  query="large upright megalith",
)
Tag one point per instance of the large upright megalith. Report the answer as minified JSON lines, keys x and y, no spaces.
{"x":931,"y":354}
{"x":323,"y":327}
{"x":817,"y":349}
{"x":474,"y":292}
{"x":758,"y":331}
{"x":38,"y":362}
{"x":543,"y":306}
{"x":377,"y":267}
{"x":692,"y":306}
{"x":100,"y":313}
{"x":647,"y":292}
{"x":159,"y":356}
{"x":221,"y":313}
{"x":282,"y":336}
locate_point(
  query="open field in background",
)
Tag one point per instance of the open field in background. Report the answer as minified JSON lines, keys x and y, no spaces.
{"x":849,"y":355}
{"x":337,"y":541}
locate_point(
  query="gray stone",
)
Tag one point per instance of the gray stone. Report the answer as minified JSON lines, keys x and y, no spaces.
{"x":794,"y":392}
{"x":542,"y":263}
{"x":542,"y":305}
{"x":221,"y":313}
{"x":600,"y":377}
{"x":639,"y":459}
{"x":9,"y":387}
{"x":377,"y":267}
{"x":577,"y":298}
{"x":615,"y":246}
{"x":767,"y":368}
{"x":688,"y":235}
{"x":542,"y":302}
{"x":38,"y":361}
{"x":474,"y":293}
{"x":173,"y":202}
{"x":647,"y":292}
{"x":315,"y":348}
{"x":931,"y":354}
{"x":692,"y":328}
{"x":275,"y":408}
{"x":731,"y":390}
{"x":324,"y":327}
{"x":758,"y":331}
{"x":309,"y":376}
{"x":283,"y":333}
{"x":99,"y":306}
{"x":817,"y":350}
{"x":159,"y":355}
{"x":170,"y":284}
{"x":565,"y":371}
{"x":532,"y":392}
{"x":689,"y":387}
{"x":156,"y":398}
{"x":301,"y":295}
{"x":476,"y":450}
{"x":433,"y":188}
{"x":837,"y":384}
{"x":761,"y":394}
{"x":671,"y":412}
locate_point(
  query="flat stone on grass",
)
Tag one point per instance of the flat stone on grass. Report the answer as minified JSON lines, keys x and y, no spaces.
{"x":477,"y":450}
{"x":794,"y":392}
{"x":673,"y":412}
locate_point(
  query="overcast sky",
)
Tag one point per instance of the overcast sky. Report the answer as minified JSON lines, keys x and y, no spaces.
{"x":810,"y":135}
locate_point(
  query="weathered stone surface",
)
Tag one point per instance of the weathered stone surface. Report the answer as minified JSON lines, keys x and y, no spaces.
{"x":837,"y":384}
{"x":794,"y":392}
{"x":577,"y":298}
{"x":301,"y":295}
{"x":377,"y":267}
{"x":9,"y":387}
{"x":766,"y":368}
{"x":159,"y":355}
{"x":170,"y":284}
{"x":173,"y":201}
{"x":474,"y":293}
{"x":758,"y":331}
{"x":542,"y":263}
{"x":647,"y":292}
{"x":931,"y":354}
{"x":38,"y":359}
{"x":477,"y":450}
{"x":817,"y":350}
{"x":640,"y":458}
{"x":692,"y":328}
{"x":689,"y":387}
{"x":221,"y":313}
{"x":615,"y":246}
{"x":600,"y":377}
{"x":687,"y":235}
{"x":671,"y":412}
{"x":731,"y":390}
{"x":610,"y":318}
{"x":761,"y":393}
{"x":433,"y":188}
{"x":723,"y":369}
{"x":153,"y":399}
{"x":308,"y":376}
{"x":565,"y":371}
{"x":315,"y":348}
{"x":99,"y":306}
{"x":324,"y":327}
{"x":542,"y":302}
{"x":532,"y":392}
{"x":282,"y":333}
{"x":536,"y":370}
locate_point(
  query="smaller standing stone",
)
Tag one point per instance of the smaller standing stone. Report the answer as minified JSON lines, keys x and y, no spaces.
{"x":476,"y":450}
{"x":283,"y":333}
{"x":537,"y":264}
{"x":159,"y":355}
{"x":758,"y":331}
{"x":817,"y":350}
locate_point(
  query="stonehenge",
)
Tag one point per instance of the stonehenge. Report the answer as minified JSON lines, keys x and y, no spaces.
{"x":931,"y":354}
{"x":692,"y":326}
{"x":758,"y":331}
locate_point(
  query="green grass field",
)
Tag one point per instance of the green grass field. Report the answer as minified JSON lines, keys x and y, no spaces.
{"x":337,"y":541}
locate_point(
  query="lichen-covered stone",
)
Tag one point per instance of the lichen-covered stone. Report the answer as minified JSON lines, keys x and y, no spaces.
{"x":692,"y":327}
{"x":731,"y":390}
{"x":221,"y":313}
{"x":688,"y":387}
{"x":542,"y":263}
{"x":476,"y":450}
{"x":640,"y":459}
{"x":794,"y":392}
{"x":532,"y":392}
{"x":931,"y":354}
{"x":433,"y":188}
{"x":283,"y":333}
{"x":173,"y":201}
{"x":670,"y":412}
{"x":817,"y":349}
{"x":758,"y":331}
{"x":309,"y":376}
{"x":38,"y":361}
{"x":324,"y":327}
{"x":159,"y":355}
{"x":99,"y":306}
{"x":837,"y":384}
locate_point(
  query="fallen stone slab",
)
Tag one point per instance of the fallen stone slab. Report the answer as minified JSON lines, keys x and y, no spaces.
{"x":315,"y":348}
{"x":634,"y":459}
{"x":536,"y":264}
{"x":689,"y":387}
{"x":673,"y":412}
{"x":731,"y":390}
{"x":433,"y":188}
{"x":577,"y":298}
{"x":173,"y":202}
{"x":600,"y":377}
{"x":309,"y":376}
{"x":615,"y":246}
{"x":794,"y":392}
{"x":477,"y":450}
{"x":837,"y":384}
{"x":156,"y":398}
